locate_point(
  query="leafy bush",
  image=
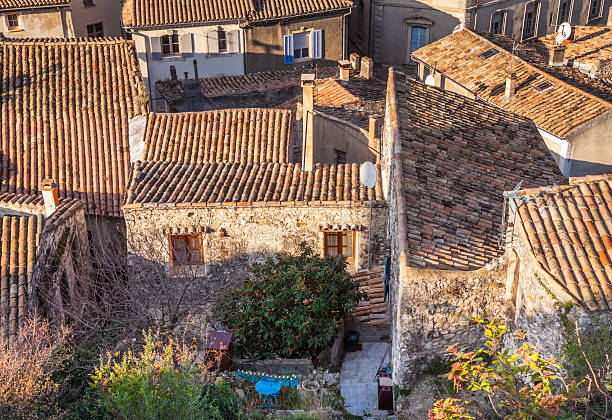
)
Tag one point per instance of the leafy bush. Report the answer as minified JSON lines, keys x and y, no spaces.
{"x":218,"y":402}
{"x":290,"y":306}
{"x":162,"y":382}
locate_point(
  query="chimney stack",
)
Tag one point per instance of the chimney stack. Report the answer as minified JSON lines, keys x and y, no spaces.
{"x":373,"y":142}
{"x":345,"y":70}
{"x":355,"y":62}
{"x":367,"y":68}
{"x":308,"y":86}
{"x":510,"y":87}
{"x":609,"y":22}
{"x":555,"y":55}
{"x":50,"y":197}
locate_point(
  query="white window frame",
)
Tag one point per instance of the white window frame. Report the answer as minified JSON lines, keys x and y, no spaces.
{"x":504,"y":15}
{"x":95,"y":23}
{"x":421,"y":22}
{"x":19,"y":26}
{"x":536,"y":20}
{"x":171,"y":43}
{"x":599,"y":13}
{"x":308,"y":36}
{"x":315,"y":52}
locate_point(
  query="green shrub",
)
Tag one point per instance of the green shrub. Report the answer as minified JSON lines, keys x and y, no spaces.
{"x":162,"y":382}
{"x":290,"y":306}
{"x":218,"y":402}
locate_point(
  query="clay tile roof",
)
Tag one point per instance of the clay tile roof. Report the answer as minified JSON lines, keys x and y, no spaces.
{"x":458,"y":157}
{"x":64,"y":115}
{"x":234,"y":135}
{"x":26,"y":4}
{"x":357,"y":91}
{"x":253,"y":83}
{"x":569,"y":229}
{"x":150,"y":13}
{"x":555,"y":105}
{"x":190,"y":183}
{"x":22,"y":223}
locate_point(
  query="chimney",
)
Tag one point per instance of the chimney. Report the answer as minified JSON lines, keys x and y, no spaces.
{"x":609,"y":22}
{"x":355,"y":61}
{"x":556,"y":54}
{"x":345,"y":69}
{"x":373,"y":142}
{"x":510,"y":86}
{"x":308,"y":86}
{"x":50,"y":197}
{"x":367,"y":68}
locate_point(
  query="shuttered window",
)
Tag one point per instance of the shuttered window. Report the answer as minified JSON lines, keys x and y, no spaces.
{"x":303,"y":46}
{"x":186,"y":249}
{"x":340,"y":243}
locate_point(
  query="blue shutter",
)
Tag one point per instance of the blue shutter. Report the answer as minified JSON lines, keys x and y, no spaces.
{"x":288,"y":41}
{"x":317,"y":44}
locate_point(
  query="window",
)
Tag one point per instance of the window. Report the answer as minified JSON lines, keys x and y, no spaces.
{"x":564,"y":9}
{"x":488,"y":53}
{"x":170,"y":44}
{"x":418,"y":34}
{"x":12,"y":22}
{"x":498,"y":22}
{"x":222,"y":39}
{"x":595,"y":10}
{"x":543,"y":86}
{"x":88,"y":3}
{"x":340,"y":243}
{"x":95,"y":30}
{"x":530,"y":21}
{"x":186,"y":249}
{"x":300,"y":46}
{"x":340,"y":157}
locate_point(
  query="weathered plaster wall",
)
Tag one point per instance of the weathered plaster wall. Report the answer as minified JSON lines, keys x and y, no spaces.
{"x":265,"y":50}
{"x":106,"y":11}
{"x":40,"y":23}
{"x":591,"y":150}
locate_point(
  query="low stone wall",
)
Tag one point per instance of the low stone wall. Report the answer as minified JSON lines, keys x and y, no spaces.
{"x":275,"y":366}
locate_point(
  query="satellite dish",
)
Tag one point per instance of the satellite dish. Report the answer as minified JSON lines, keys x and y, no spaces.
{"x":565,"y":30}
{"x":368,"y":174}
{"x":559,"y":39}
{"x":430,"y":81}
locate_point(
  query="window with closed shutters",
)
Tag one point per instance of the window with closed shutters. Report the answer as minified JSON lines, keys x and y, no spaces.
{"x":186,"y":249}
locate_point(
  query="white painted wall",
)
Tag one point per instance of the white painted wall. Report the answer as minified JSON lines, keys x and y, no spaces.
{"x":559,"y":149}
{"x":209,"y":64}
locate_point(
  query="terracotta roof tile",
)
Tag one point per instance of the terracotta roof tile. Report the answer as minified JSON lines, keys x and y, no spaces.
{"x":64,"y":115}
{"x":147,"y":13}
{"x":233,"y":135}
{"x":356,"y":92}
{"x":25,"y":4}
{"x":560,"y":108}
{"x":458,"y":157}
{"x":569,"y":229}
{"x":216,"y":183}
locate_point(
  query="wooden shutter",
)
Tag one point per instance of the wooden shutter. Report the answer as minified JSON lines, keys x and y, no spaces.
{"x":213,"y":42}
{"x":317,"y":44}
{"x":156,"y":52}
{"x":186,"y":44}
{"x":288,"y":42}
{"x":233,"y":41}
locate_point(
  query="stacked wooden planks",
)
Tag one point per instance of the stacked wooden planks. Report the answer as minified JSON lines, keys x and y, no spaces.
{"x":372,"y":310}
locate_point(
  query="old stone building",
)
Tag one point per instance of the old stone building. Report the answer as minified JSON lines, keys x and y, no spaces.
{"x":36,"y":18}
{"x":390,"y":30}
{"x":44,"y":264}
{"x":559,"y":252}
{"x":563,"y":89}
{"x":204,"y":38}
{"x":71,"y":120}
{"x":447,"y":160}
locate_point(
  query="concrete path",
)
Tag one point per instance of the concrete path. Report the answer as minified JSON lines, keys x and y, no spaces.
{"x":358,"y":379}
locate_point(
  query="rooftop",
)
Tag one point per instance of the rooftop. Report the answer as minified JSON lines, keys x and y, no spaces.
{"x":65,"y":111}
{"x":152,"y":13}
{"x":569,"y":229}
{"x":231,"y":135}
{"x":458,"y":156}
{"x":214,"y":184}
{"x":26,"y":4}
{"x":559,"y":104}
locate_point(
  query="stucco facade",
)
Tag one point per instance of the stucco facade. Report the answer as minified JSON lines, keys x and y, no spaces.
{"x":48,"y":22}
{"x":106,"y":12}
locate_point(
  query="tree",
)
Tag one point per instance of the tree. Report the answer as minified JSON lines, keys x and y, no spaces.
{"x":289,"y":306}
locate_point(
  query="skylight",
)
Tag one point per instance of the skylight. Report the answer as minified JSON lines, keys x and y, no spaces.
{"x":488,"y":54}
{"x":542,"y":86}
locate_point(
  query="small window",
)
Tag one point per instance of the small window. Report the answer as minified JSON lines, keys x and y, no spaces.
{"x":497,"y":22}
{"x":564,"y":9}
{"x":89,"y":3}
{"x":301,"y":49}
{"x":95,"y":30}
{"x":595,"y":10}
{"x":12,"y":22}
{"x":340,"y":157}
{"x":340,"y":243}
{"x":488,"y":54}
{"x":417,"y":39}
{"x":543,"y":86}
{"x":186,"y":249}
{"x":170,"y":44}
{"x":222,"y":38}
